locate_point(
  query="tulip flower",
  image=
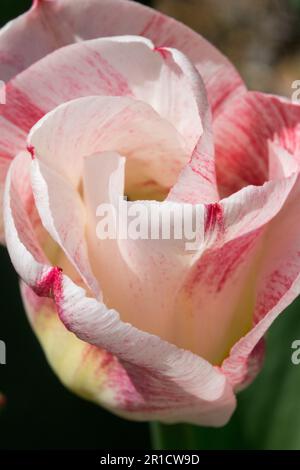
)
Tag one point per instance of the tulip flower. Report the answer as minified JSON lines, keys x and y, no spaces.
{"x":107,"y":98}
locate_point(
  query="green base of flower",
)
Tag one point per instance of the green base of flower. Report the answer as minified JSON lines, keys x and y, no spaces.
{"x":174,"y":437}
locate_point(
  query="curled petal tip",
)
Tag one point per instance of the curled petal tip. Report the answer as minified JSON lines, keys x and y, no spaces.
{"x":30,"y":149}
{"x":162,"y":51}
{"x":36,"y":3}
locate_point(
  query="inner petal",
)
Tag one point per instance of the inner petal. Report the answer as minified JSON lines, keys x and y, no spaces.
{"x":139,"y":277}
{"x":201,"y":301}
{"x":154,"y":150}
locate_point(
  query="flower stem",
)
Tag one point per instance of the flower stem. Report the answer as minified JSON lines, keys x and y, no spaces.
{"x":174,"y":437}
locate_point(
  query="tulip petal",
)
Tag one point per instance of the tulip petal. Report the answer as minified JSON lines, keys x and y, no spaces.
{"x":64,"y":222}
{"x":180,"y":377}
{"x":86,"y":370}
{"x":251,"y":208}
{"x":243,"y":134}
{"x":38,"y":33}
{"x":197,"y":182}
{"x":91,"y":372}
{"x":155,"y":151}
{"x":278,"y":284}
{"x":281,"y":162}
{"x":217,"y":296}
{"x":156,"y":380}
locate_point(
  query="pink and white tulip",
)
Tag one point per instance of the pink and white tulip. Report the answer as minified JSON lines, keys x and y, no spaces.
{"x":144,"y":327}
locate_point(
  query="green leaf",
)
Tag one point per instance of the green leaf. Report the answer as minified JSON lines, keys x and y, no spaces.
{"x":268,"y":412}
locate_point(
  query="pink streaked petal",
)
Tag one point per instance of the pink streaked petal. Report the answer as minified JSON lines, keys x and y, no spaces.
{"x":37,"y":33}
{"x":4,"y":165}
{"x":87,"y":370}
{"x":253,"y":207}
{"x":242,"y":135}
{"x":63,"y":216}
{"x":197,"y":182}
{"x":36,"y":3}
{"x":278,"y":283}
{"x":218,"y":293}
{"x":18,"y":227}
{"x":242,"y":373}
{"x":167,"y":383}
{"x":175,"y":384}
{"x":120,"y":66}
{"x":216,"y":298}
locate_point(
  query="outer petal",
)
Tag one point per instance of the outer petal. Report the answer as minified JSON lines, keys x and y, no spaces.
{"x":159,"y":381}
{"x":278,"y":284}
{"x":218,"y":293}
{"x":281,"y":162}
{"x":243,"y":134}
{"x":91,"y":372}
{"x":273,"y":122}
{"x":37,"y":33}
{"x":123,"y":66}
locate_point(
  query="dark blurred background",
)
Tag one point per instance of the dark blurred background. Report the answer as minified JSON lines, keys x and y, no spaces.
{"x":262,"y":38}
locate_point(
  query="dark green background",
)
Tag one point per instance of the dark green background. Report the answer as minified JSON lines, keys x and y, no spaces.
{"x":40,"y":413}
